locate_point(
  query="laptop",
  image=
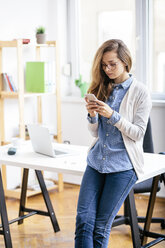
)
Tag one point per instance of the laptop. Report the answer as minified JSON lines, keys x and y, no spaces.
{"x":41,"y":142}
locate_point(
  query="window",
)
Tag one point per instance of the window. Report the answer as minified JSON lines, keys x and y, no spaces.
{"x":158,"y":63}
{"x":139,"y":23}
{"x":102,"y":21}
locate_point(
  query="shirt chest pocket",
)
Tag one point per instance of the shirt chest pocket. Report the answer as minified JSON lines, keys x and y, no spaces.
{"x":112,"y":129}
{"x":115,"y":137}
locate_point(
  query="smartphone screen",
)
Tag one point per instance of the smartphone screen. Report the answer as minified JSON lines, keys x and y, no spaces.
{"x":91,"y":97}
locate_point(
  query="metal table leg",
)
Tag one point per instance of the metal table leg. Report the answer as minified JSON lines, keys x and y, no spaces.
{"x":130,"y":202}
{"x":4,"y":218}
{"x":50,"y":212}
{"x":23,"y":194}
{"x":47,"y":201}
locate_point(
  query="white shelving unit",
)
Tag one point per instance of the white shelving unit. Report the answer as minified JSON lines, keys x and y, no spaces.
{"x":21,"y":95}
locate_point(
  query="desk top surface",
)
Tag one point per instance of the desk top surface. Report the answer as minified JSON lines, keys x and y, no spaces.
{"x":154,"y":164}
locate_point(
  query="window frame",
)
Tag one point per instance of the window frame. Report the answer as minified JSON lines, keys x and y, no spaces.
{"x":73,"y":41}
{"x":144,"y":42}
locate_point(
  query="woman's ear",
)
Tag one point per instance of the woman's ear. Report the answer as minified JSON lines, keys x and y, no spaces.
{"x":126,"y":66}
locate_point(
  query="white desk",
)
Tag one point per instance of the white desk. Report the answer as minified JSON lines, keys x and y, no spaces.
{"x":27,"y":158}
{"x":154,"y":164}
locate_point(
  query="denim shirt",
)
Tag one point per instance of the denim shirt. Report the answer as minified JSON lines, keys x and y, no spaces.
{"x":109,"y":153}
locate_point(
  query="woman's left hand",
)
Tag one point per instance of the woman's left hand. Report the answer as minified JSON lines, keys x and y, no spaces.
{"x":103,"y":109}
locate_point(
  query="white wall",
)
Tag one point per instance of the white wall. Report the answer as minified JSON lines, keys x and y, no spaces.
{"x":20,"y":18}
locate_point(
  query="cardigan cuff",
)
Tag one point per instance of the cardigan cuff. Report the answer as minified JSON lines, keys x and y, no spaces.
{"x":115,"y":117}
{"x":92,"y":120}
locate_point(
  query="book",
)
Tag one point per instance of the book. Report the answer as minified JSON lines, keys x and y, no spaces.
{"x":40,"y":77}
{"x":8,"y":84}
{"x":5,"y":83}
{"x":12,"y":83}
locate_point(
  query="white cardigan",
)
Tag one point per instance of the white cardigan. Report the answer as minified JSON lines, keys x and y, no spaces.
{"x":134,"y":109}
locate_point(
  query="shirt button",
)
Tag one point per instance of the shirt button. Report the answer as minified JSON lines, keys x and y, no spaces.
{"x":113,"y":98}
{"x":104,"y":145}
{"x":117,"y":88}
{"x":107,"y":134}
{"x":103,"y":158}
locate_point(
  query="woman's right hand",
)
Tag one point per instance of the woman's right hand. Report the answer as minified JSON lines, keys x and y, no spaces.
{"x":91,"y":107}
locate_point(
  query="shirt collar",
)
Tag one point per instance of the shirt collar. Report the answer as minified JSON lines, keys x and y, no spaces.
{"x":125,"y":84}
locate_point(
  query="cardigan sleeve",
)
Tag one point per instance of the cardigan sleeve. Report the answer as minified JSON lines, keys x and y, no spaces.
{"x":135,"y":130}
{"x":93,"y":129}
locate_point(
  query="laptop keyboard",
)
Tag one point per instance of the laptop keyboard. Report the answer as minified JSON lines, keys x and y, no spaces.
{"x":57,"y":152}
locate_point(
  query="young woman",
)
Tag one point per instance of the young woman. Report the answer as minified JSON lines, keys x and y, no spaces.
{"x":118,"y":120}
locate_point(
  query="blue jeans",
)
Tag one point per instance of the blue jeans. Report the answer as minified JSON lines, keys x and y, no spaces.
{"x":100,"y":198}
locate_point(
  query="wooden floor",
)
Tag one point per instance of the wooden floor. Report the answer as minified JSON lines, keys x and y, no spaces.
{"x":37,"y":231}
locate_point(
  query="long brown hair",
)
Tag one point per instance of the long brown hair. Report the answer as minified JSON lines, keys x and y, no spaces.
{"x":101,"y":85}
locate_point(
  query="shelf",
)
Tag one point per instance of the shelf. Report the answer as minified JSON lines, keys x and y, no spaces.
{"x":14,"y":43}
{"x":16,"y":193}
{"x":8,"y":94}
{"x":48,"y":44}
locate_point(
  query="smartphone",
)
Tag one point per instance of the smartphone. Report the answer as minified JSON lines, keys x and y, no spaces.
{"x":91,"y":97}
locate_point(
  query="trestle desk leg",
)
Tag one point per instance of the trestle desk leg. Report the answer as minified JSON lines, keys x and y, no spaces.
{"x":47,"y":200}
{"x":130,"y":202}
{"x":23,"y":194}
{"x":4,"y":218}
{"x":150,"y":208}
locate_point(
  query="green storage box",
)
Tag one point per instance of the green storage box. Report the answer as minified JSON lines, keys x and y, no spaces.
{"x":39,"y":77}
